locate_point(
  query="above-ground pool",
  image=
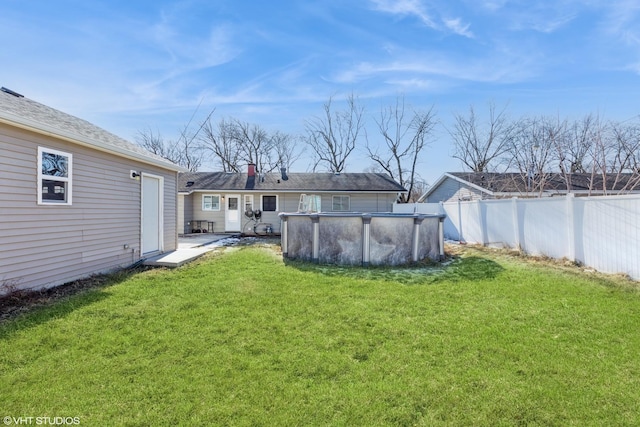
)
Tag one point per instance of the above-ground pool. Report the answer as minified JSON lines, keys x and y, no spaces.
{"x":362,"y":238}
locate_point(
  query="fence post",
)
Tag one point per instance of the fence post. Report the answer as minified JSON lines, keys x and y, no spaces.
{"x":516,"y":223}
{"x":460,"y":234}
{"x":315,"y":251}
{"x":416,"y":238}
{"x":441,"y":237}
{"x":571,"y":231}
{"x":482,"y":223}
{"x":284,"y":237}
{"x":366,"y":239}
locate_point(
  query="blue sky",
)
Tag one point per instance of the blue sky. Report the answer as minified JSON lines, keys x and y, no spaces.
{"x":134,"y":65}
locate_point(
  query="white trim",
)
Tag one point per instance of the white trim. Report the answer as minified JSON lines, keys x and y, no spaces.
{"x":219,"y":202}
{"x":236,"y":224}
{"x":160,"y":212}
{"x":333,"y":209}
{"x":262,"y":196}
{"x":244,"y":200}
{"x":21,"y":122}
{"x":67,"y":179}
{"x":270,"y":191}
{"x":444,"y":177}
{"x":470,"y":184}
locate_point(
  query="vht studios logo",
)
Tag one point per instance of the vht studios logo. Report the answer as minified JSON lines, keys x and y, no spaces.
{"x":41,"y":421}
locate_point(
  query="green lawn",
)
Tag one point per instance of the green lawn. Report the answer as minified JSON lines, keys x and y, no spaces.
{"x":241,"y":338}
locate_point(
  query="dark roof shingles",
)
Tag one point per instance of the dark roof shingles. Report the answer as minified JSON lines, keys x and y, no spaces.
{"x":41,"y":114}
{"x":303,"y":182}
{"x":517,"y":183}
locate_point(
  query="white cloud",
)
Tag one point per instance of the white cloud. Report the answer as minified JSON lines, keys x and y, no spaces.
{"x":458,"y":27}
{"x":421,"y":69}
{"x":622,"y":21}
{"x":492,"y":5}
{"x":521,"y":15}
{"x":413,"y":84}
{"x":547,"y":25}
{"x":404,"y":8}
{"x":192,"y":51}
{"x":417,"y":9}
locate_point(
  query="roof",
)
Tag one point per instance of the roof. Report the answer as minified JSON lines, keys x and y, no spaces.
{"x":296,"y":182}
{"x":496,"y":184}
{"x":16,"y":110}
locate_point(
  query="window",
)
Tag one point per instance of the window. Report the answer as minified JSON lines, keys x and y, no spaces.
{"x":248,"y":202}
{"x":54,"y":177}
{"x":341,"y":203}
{"x":269,"y":203}
{"x":211,"y":202}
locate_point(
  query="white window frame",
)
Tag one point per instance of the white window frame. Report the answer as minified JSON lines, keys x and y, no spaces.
{"x":66,"y":179}
{"x":269,"y":195}
{"x":248,"y":200}
{"x":212,"y":208}
{"x":341,"y":196}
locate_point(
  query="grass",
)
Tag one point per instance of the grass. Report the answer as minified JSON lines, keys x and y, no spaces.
{"x":241,"y":338}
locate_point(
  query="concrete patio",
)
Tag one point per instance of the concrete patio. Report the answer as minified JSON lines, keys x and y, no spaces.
{"x":190,"y":247}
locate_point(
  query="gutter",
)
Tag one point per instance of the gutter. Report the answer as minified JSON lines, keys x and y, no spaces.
{"x":276,"y":190}
{"x":19,"y":122}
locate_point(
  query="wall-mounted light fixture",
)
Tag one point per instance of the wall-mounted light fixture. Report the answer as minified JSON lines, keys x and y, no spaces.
{"x":134,"y":174}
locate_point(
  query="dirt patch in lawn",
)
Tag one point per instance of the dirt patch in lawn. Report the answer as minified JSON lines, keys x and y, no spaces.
{"x":17,"y":302}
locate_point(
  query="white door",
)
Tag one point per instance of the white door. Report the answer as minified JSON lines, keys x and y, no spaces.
{"x":232,"y":215}
{"x":151,"y":214}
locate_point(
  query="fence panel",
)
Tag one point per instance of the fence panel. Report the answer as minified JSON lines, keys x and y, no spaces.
{"x":500,"y":223}
{"x":427,"y":208}
{"x":609,"y":236}
{"x":600,"y":232}
{"x":544,"y":227}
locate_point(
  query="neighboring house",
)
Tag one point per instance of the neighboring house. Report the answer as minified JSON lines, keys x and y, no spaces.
{"x":454,"y":186}
{"x":219,"y":201}
{"x":76,"y":200}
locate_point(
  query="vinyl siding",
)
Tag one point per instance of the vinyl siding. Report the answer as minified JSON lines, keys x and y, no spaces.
{"x":170,"y":218}
{"x":451,"y":190}
{"x":47,"y":245}
{"x":193,"y":211}
{"x":181,"y":214}
{"x":287,"y":202}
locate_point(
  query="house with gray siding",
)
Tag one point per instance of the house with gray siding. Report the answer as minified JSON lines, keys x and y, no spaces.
{"x":466,"y":186}
{"x":250,"y":202}
{"x":76,"y":200}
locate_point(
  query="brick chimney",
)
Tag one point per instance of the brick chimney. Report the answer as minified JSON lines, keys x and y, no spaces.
{"x":251,"y":169}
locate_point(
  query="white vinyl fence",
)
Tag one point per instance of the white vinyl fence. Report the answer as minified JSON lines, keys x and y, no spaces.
{"x":600,"y":232}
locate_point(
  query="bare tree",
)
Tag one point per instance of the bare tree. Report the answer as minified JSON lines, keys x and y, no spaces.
{"x":420,"y":187}
{"x":284,"y":151}
{"x":573,"y":145}
{"x":478,"y":145}
{"x":333,"y":136}
{"x":405,"y":138}
{"x":254,"y":144}
{"x":530,"y":152}
{"x":184,"y":152}
{"x":234,"y":143}
{"x":619,"y":155}
{"x":579,"y":138}
{"x":154,"y":143}
{"x":220,"y":141}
